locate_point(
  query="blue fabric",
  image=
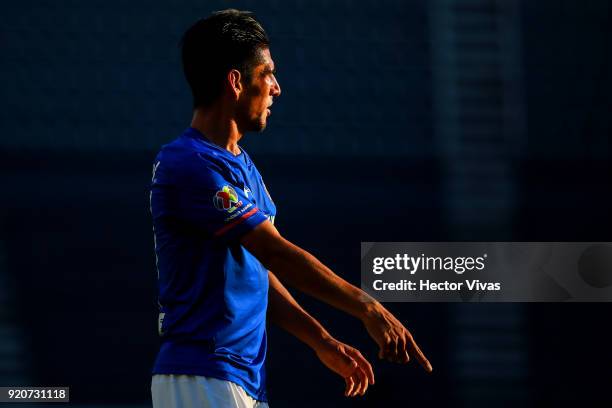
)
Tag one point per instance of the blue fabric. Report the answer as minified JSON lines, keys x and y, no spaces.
{"x":212,"y":292}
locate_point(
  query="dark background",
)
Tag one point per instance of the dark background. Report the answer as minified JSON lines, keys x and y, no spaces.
{"x":398,"y":121}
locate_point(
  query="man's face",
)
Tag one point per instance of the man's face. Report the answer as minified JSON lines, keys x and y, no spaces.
{"x":255,"y":101}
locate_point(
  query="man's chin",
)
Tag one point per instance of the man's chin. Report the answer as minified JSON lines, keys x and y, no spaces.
{"x":256,"y":125}
{"x":260,"y":126}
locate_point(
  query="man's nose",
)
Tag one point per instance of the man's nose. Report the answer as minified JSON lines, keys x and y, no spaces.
{"x":276,"y":89}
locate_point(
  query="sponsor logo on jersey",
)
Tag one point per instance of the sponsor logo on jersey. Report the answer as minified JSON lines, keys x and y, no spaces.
{"x":226,"y":199}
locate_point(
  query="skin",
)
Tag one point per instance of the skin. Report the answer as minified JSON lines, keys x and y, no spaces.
{"x":341,"y":358}
{"x":255,"y":102}
{"x":245,"y":107}
{"x":301,"y":270}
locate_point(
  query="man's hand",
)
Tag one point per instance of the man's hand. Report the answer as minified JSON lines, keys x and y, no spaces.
{"x":394,"y":341}
{"x":347,"y":362}
{"x":303,"y":271}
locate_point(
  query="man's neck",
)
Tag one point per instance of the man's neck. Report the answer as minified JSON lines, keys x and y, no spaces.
{"x":218,"y":127}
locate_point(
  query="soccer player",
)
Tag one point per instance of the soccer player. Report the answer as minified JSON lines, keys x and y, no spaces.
{"x":220,"y":259}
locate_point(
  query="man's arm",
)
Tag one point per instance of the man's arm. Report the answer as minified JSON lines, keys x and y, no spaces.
{"x":341,"y":358}
{"x":303,"y":271}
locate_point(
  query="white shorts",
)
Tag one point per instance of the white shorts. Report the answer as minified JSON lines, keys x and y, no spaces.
{"x":195,"y":391}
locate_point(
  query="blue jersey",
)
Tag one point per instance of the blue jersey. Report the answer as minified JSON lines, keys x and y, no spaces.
{"x":212,"y":292}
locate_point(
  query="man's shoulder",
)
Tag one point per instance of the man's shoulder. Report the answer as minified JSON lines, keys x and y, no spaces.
{"x":184,"y":162}
{"x":183,"y":152}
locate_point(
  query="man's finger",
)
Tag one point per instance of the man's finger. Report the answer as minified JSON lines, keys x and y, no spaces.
{"x":363,"y":382}
{"x":363,"y":364}
{"x":396,"y":349}
{"x":400,"y":346}
{"x":402,"y":354}
{"x":418,"y":354}
{"x":350,"y":384}
{"x":359,"y":378}
{"x":406,"y":357}
{"x":384,"y":347}
{"x":355,"y":380}
{"x":381,"y":353}
{"x":391,"y":350}
{"x":357,"y":383}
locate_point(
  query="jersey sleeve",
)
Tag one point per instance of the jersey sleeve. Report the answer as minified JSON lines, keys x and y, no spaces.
{"x":211,"y":198}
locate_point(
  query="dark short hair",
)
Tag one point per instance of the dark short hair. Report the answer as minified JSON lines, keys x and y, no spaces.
{"x":227,"y":39}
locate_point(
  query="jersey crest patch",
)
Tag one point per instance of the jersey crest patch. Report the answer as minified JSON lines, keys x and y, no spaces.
{"x":226,"y":199}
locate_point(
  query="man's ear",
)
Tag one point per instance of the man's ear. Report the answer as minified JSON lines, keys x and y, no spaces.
{"x":235,"y":84}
